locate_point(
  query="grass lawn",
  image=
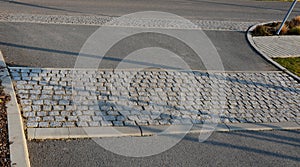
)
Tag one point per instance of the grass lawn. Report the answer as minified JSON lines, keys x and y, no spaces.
{"x":292,"y":64}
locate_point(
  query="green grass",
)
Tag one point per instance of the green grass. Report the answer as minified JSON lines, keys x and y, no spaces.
{"x":292,"y":64}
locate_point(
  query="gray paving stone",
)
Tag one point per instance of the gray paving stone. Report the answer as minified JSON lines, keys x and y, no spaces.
{"x":54,"y":113}
{"x":60,"y":118}
{"x":118,"y":123}
{"x":82,"y":124}
{"x":109,"y":118}
{"x":34,"y":119}
{"x":85,"y":118}
{"x":43,"y":124}
{"x":48,"y":118}
{"x":106,"y":123}
{"x":68,"y":124}
{"x":153,"y":99}
{"x":129,"y":123}
{"x":94,"y":124}
{"x":32,"y":124}
{"x":55,"y":124}
{"x":59,"y":108}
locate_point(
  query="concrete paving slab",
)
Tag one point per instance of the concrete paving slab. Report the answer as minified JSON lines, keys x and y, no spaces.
{"x":87,"y":132}
{"x":51,"y":133}
{"x":92,"y":132}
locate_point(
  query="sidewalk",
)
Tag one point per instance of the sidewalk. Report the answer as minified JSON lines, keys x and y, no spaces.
{"x":279,"y":46}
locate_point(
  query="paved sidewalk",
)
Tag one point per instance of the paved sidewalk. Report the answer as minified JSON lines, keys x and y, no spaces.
{"x":118,"y":98}
{"x":278,"y":46}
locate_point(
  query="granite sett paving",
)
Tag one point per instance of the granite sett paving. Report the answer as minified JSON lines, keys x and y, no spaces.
{"x":128,"y":22}
{"x":53,"y":98}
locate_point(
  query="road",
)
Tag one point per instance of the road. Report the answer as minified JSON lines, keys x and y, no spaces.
{"x":239,"y":10}
{"x":264,"y":148}
{"x":46,"y":45}
{"x":53,"y":45}
{"x":43,"y":45}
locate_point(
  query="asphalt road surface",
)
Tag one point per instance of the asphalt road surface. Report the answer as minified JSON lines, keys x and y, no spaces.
{"x":241,"y":10}
{"x":57,"y":46}
{"x":264,"y":148}
{"x":45,"y":45}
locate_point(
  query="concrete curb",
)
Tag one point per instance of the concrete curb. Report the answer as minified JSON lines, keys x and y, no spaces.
{"x":82,"y":132}
{"x":18,"y":147}
{"x":141,"y":131}
{"x":250,"y":40}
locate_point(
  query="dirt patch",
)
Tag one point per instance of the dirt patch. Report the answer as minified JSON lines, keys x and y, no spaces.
{"x":290,"y":28}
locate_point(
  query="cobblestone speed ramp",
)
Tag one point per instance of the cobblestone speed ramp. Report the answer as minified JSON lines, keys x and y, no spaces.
{"x":154,"y":97}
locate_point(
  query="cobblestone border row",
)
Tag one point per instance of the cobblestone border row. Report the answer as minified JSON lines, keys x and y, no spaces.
{"x":252,"y":43}
{"x":140,"y":22}
{"x":18,"y":146}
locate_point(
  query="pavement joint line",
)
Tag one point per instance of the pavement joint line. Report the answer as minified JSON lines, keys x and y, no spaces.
{"x":18,"y":148}
{"x":142,"y":131}
{"x":250,"y":40}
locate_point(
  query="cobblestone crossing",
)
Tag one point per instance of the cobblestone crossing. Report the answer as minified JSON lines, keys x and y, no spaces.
{"x":128,"y":22}
{"x":49,"y":98}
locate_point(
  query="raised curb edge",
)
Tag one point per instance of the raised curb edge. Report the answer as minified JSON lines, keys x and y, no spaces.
{"x":142,"y":131}
{"x":18,"y":148}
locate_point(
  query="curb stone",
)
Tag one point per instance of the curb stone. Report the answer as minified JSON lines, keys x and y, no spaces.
{"x":87,"y":132}
{"x":18,"y":148}
{"x":142,"y":131}
{"x":250,"y":40}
